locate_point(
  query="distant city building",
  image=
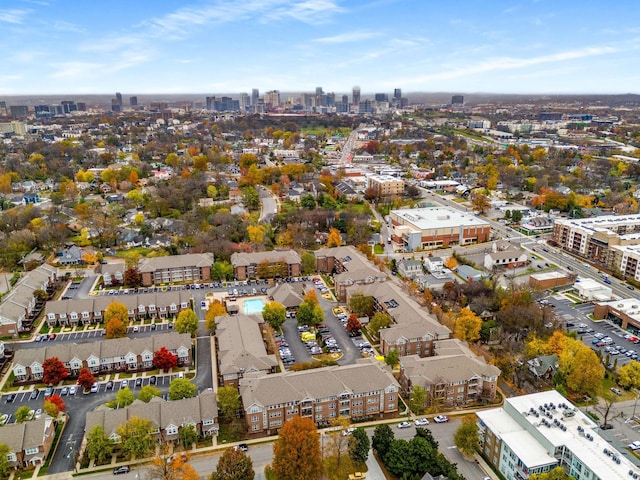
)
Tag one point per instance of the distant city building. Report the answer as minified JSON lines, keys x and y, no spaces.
{"x":397,"y":93}
{"x":115,"y":106}
{"x":133,"y":101}
{"x":457,"y":100}
{"x":381,"y":97}
{"x":272,"y":99}
{"x":119,"y":98}
{"x":43,"y":111}
{"x":255,"y":94}
{"x":3,"y":108}
{"x":356,"y":96}
{"x":19,"y":110}
{"x":223,"y":104}
{"x":245,"y":101}
{"x":386,"y":185}
{"x":82,"y":107}
{"x":69,"y":106}
{"x":366,"y":107}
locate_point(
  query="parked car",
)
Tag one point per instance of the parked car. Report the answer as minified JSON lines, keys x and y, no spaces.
{"x":139,"y":382}
{"x":404,"y":425}
{"x":48,"y":392}
{"x":72,"y":390}
{"x":152,"y":380}
{"x":441,"y":419}
{"x":11,"y":398}
{"x":122,"y":469}
{"x":64,"y":391}
{"x":109,"y":385}
{"x":34,"y":394}
{"x":124,"y":383}
{"x":95,"y":387}
{"x":617,"y":391}
{"x":421,"y":422}
{"x":243,"y":447}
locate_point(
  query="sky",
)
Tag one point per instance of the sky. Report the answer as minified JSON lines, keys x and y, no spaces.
{"x":233,"y":46}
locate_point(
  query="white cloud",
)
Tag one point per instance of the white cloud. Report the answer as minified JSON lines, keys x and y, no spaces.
{"x":356,"y":36}
{"x":13,"y":15}
{"x":74,"y":70}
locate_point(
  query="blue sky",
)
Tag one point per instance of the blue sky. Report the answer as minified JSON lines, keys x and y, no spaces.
{"x":216,"y":46}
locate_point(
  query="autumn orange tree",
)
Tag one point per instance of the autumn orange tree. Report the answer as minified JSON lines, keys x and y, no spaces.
{"x":335,"y":238}
{"x":53,"y":371}
{"x":116,"y":316}
{"x":54,"y":405}
{"x":175,"y":467}
{"x":216,"y":309}
{"x":86,"y":378}
{"x":296,"y":452}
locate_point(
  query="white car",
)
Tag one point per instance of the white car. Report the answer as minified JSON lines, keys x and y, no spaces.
{"x":421,"y":422}
{"x":441,"y":419}
{"x":404,"y":425}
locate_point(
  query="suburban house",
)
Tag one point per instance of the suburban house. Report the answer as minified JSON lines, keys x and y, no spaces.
{"x":103,"y":356}
{"x":434,"y":264}
{"x":19,"y":307}
{"x":453,"y":377}
{"x":70,"y":255}
{"x":275,"y":263}
{"x":543,"y":366}
{"x":409,"y":268}
{"x":505,"y":254}
{"x":413,"y":330}
{"x":349,"y":267}
{"x":167,"y":418}
{"x":364,"y":390}
{"x":241,"y":349}
{"x":29,"y":442}
{"x":191,"y":267}
{"x":91,"y":310}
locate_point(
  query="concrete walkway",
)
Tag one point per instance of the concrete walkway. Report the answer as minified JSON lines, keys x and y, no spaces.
{"x":374,"y":472}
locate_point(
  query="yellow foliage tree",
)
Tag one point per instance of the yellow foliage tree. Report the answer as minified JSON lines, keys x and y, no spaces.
{"x":89,"y":258}
{"x":468,"y":326}
{"x":581,"y":367}
{"x":451,"y":263}
{"x":335,"y":238}
{"x":256,"y":233}
{"x":216,"y":309}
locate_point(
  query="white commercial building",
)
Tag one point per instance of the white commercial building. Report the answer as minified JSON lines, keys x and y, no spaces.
{"x":590,"y":289}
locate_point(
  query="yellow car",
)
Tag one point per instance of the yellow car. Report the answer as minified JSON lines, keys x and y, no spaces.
{"x":357,"y":475}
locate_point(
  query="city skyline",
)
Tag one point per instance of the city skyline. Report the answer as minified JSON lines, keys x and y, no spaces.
{"x":173,"y":47}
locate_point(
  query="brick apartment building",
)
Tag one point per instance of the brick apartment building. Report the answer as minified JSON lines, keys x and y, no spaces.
{"x":192,"y":267}
{"x":272,"y":264}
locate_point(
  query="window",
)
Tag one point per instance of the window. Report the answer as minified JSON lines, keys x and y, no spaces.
{"x":172,"y":430}
{"x":31,"y":451}
{"x":254,"y":418}
{"x":255,"y":427}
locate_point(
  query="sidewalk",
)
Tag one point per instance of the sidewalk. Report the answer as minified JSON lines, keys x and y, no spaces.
{"x":374,"y":472}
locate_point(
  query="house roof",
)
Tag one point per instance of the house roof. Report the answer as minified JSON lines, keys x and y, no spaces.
{"x":240,"y":345}
{"x":357,"y":266}
{"x":20,"y":436}
{"x":288,"y":294}
{"x":244,"y":259}
{"x":176,"y":261}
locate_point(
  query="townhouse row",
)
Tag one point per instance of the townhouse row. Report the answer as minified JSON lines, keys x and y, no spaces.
{"x":29,"y":442}
{"x":103,"y":356}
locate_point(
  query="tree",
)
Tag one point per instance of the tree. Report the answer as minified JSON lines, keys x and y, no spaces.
{"x":580,"y":367}
{"x":53,"y":371}
{"x":216,"y":309}
{"x":399,"y":459}
{"x":557,"y":473}
{"x":516,"y":216}
{"x":136,"y":440}
{"x":124,"y":398}
{"x":115,"y":329}
{"x":164,"y":359}
{"x":180,"y":388}
{"x":392,"y":358}
{"x":629,"y":375}
{"x":309,"y":264}
{"x":308,"y":202}
{"x":296,"y":452}
{"x":54,"y":405}
{"x":187,"y":322}
{"x":480,"y":203}
{"x":274,"y":314}
{"x":234,"y":464}
{"x":174,"y":467}
{"x":310,"y":314}
{"x":132,"y":277}
{"x":188,"y":436}
{"x":147,"y":392}
{"x":99,"y":447}
{"x":23,"y":414}
{"x":116,"y":310}
{"x":86,"y":379}
{"x":353,"y":324}
{"x":5,"y":468}
{"x":228,"y":401}
{"x":335,"y":238}
{"x":466,"y":437}
{"x":451,"y":263}
{"x":382,"y":438}
{"x":468,"y":326}
{"x":359,"y":444}
{"x":418,"y":399}
{"x":361,"y":305}
{"x":378,"y":321}
{"x":256,"y":234}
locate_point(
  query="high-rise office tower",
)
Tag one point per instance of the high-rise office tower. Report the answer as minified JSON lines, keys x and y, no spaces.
{"x":381,"y":97}
{"x":255,"y":94}
{"x":245,"y":101}
{"x":397,"y":93}
{"x":119,"y":98}
{"x":133,"y":101}
{"x":457,"y":100}
{"x":356,"y":96}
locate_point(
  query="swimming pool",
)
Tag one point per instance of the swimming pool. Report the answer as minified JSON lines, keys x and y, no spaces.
{"x":253,"y":305}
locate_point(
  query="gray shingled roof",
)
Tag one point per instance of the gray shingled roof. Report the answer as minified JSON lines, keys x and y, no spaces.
{"x":244,"y":259}
{"x":240,"y":345}
{"x":176,"y":261}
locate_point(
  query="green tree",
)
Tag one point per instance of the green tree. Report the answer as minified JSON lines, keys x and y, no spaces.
{"x":308,"y":202}
{"x":417,"y":399}
{"x":234,"y":464}
{"x":187,"y":322}
{"x":136,"y":440}
{"x":23,"y":414}
{"x":274,"y":314}
{"x":147,"y":392}
{"x":99,"y":447}
{"x":180,"y":388}
{"x":516,"y":216}
{"x":557,"y":473}
{"x":309,"y":264}
{"x":188,"y":436}
{"x":310,"y":314}
{"x":382,"y":438}
{"x":359,"y":445}
{"x":124,"y":398}
{"x":392,"y":358}
{"x":222,"y":270}
{"x":361,"y":305}
{"x":379,"y":321}
{"x":228,"y":401}
{"x":296,"y":452}
{"x":466,"y":437}
{"x":5,"y":468}
{"x":250,"y":198}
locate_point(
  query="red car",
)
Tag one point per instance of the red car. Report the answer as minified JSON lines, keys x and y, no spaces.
{"x":52,"y":336}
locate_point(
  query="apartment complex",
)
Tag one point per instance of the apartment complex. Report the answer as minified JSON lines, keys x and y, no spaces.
{"x":29,"y":442}
{"x":538,"y":432}
{"x":241,"y":349}
{"x":167,"y":418}
{"x":366,"y":389}
{"x":348,"y":266}
{"x":453,"y":377}
{"x":385,"y":185}
{"x":275,"y":263}
{"x":611,"y":240}
{"x":435,"y":227}
{"x":192,"y":267}
{"x":91,"y":310}
{"x":104,"y":356}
